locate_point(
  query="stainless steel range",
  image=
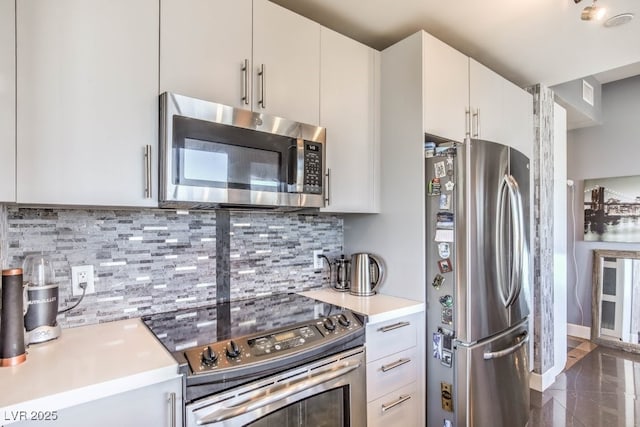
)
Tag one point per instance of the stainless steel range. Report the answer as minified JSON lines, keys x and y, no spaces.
{"x":280,"y":360}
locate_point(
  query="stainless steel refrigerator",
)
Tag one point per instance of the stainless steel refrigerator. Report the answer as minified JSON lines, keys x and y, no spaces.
{"x":478,"y":274}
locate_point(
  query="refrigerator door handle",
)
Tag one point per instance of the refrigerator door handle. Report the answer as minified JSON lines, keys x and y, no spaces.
{"x":499,"y":239}
{"x":501,"y":353}
{"x":517,"y":221}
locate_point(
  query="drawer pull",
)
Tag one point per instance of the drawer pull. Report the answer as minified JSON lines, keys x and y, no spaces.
{"x":395,"y":364}
{"x":394,"y":326}
{"x":401,"y":399}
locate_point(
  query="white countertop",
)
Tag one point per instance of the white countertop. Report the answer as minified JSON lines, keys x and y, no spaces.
{"x":377,"y":308}
{"x":84,"y":364}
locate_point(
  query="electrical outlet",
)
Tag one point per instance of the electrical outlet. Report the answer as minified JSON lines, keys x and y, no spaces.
{"x":82,"y":274}
{"x":317,"y":260}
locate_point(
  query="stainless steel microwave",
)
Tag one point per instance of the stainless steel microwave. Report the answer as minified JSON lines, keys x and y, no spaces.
{"x":214,"y":155}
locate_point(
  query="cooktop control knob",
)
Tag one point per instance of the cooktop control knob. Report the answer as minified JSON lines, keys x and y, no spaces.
{"x":329,"y":324}
{"x":343,"y":320}
{"x":209,"y":357}
{"x":232,"y":349}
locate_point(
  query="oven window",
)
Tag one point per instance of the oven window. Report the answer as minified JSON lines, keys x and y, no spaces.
{"x":326,"y":409}
{"x":228,"y":166}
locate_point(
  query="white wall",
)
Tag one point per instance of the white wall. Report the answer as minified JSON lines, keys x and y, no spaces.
{"x":609,"y":150}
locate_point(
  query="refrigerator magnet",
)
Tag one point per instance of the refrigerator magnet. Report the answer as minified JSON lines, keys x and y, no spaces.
{"x":446,"y":300}
{"x":446,"y":358}
{"x":437,"y":281}
{"x":445,"y":266}
{"x":435,"y":187}
{"x":447,"y":315}
{"x":449,"y":185}
{"x":440,"y":169}
{"x":444,"y":235}
{"x":445,"y":201}
{"x":444,"y":250}
{"x":437,"y":345}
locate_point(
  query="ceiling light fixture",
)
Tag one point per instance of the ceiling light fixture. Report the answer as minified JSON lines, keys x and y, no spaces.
{"x":618,"y":20}
{"x":593,"y":12}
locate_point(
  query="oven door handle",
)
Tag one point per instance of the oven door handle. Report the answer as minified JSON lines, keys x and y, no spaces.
{"x":278,"y":392}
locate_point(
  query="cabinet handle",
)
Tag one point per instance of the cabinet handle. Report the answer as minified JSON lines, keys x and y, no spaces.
{"x":172,"y":410}
{"x":262,"y":102}
{"x":394,"y":326}
{"x":476,"y":118}
{"x":245,"y":79}
{"x":328,"y":193}
{"x":467,"y":122}
{"x":147,"y":172}
{"x":395,"y":364}
{"x":401,"y":399}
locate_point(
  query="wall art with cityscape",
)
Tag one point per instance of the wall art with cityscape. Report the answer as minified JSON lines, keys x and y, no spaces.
{"x":612,"y":209}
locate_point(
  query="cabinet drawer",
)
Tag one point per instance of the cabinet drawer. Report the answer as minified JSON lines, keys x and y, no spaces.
{"x":396,"y":409}
{"x":386,"y":338}
{"x":391,"y":373}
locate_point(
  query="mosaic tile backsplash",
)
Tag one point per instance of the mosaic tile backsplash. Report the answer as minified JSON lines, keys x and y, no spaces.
{"x":150,"y":261}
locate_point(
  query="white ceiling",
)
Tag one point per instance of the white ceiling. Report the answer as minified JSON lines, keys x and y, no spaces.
{"x":526,"y":41}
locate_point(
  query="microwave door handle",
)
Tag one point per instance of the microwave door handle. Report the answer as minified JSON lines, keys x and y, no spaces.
{"x":295,"y":178}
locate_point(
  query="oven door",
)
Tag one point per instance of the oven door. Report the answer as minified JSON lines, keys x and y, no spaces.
{"x":329,"y":392}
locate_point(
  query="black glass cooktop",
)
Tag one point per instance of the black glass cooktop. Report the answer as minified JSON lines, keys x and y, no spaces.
{"x":185,"y":329}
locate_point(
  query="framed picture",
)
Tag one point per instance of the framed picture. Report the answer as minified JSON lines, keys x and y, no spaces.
{"x":445,"y":265}
{"x":612,"y":209}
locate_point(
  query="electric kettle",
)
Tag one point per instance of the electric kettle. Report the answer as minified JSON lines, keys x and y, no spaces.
{"x":367,"y":272}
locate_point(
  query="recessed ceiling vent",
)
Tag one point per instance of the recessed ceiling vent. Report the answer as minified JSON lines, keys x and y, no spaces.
{"x":587,"y":93}
{"x":616,"y":21}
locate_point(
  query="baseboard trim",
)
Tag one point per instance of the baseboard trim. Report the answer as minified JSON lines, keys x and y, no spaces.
{"x":542,"y":382}
{"x":579,"y":331}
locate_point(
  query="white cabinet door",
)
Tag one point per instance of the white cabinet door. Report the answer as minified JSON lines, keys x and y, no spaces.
{"x":446,"y":89}
{"x":157,"y":405}
{"x":7,"y":102}
{"x":486,"y":91}
{"x":87,"y":95}
{"x":518,"y":119}
{"x":203,"y":47}
{"x":349,"y":101}
{"x":286,"y":50}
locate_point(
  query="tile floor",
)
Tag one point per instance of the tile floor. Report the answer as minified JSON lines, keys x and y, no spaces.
{"x":598,"y":388}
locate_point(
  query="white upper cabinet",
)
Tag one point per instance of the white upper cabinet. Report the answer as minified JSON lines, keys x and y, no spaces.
{"x":205,"y":46}
{"x":7,"y":102}
{"x":446,"y":89}
{"x":250,"y":54}
{"x":349,"y":105}
{"x":486,"y":100}
{"x":518,"y":125}
{"x":286,"y":63}
{"x":500,"y":110}
{"x":87,"y":93}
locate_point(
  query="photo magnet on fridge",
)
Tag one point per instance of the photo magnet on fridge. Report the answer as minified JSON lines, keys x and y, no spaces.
{"x":445,"y":201}
{"x":437,"y":281}
{"x":445,"y":266}
{"x":440,"y":169}
{"x":437,"y":345}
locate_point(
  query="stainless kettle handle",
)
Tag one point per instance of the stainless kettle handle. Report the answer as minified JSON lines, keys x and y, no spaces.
{"x":380,"y":266}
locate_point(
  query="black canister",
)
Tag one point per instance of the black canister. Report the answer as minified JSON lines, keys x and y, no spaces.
{"x":12,"y":350}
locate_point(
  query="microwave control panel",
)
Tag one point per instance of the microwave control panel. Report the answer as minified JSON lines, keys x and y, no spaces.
{"x":312,"y":168}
